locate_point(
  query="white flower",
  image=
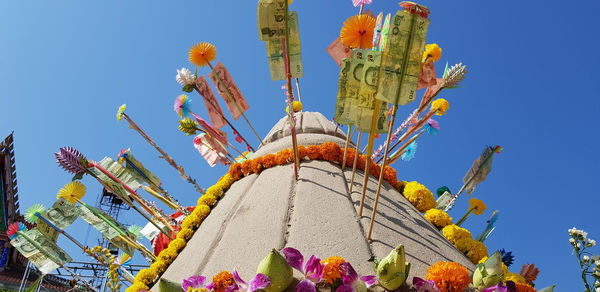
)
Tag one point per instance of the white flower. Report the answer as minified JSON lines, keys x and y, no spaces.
{"x":586,"y":258}
{"x":591,"y":242}
{"x":185,"y":77}
{"x":578,"y":245}
{"x":571,"y":240}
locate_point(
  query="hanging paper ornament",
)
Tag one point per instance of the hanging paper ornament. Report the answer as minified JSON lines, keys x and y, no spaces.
{"x":497,"y":149}
{"x":123,"y":259}
{"x":72,"y":192}
{"x":432,"y":127}
{"x":12,"y":229}
{"x":188,"y":126}
{"x":409,"y":152}
{"x":441,"y":190}
{"x":30,"y":214}
{"x":183,"y":106}
{"x":454,"y":75}
{"x":202,"y":53}
{"x":71,"y":160}
{"x":357,"y":31}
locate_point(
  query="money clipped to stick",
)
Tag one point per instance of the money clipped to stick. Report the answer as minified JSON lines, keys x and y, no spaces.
{"x":215,"y":113}
{"x":120,"y":173}
{"x":137,"y":169}
{"x":275,"y":52}
{"x":338,"y":51}
{"x":271,"y":19}
{"x":110,"y":228}
{"x":62,"y":214}
{"x":401,"y":59}
{"x":236,"y":103}
{"x":40,"y":250}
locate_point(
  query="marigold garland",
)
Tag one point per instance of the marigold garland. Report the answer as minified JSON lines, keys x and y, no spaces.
{"x":438,"y":218}
{"x":449,"y":276}
{"x":454,"y":233}
{"x":475,"y":250}
{"x":329,"y":151}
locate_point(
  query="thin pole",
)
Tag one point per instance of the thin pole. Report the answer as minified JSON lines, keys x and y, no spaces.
{"x":164,"y":154}
{"x":357,"y":151}
{"x":290,"y":100}
{"x":348,"y":136}
{"x":226,"y":121}
{"x":298,"y":89}
{"x":369,"y":160}
{"x":413,"y":129}
{"x":230,"y":96}
{"x":362,"y":6}
{"x":382,"y":171}
{"x":464,"y":186}
{"x":394,"y":157}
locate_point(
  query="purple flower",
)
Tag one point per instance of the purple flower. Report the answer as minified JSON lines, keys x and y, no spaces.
{"x":193,"y":282}
{"x":497,"y":288}
{"x":312,"y":269}
{"x":260,"y":281}
{"x":306,"y":286}
{"x":423,"y":285}
{"x":351,"y":281}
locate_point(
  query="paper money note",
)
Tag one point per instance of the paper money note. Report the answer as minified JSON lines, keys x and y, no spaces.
{"x":62,"y":214}
{"x":338,"y":51}
{"x":275,"y":52}
{"x":228,"y":84}
{"x":120,"y":172}
{"x":40,"y":250}
{"x":347,"y":97}
{"x":271,"y":19}
{"x":213,"y":108}
{"x":366,"y":71}
{"x":96,"y":218}
{"x":138,"y":170}
{"x":427,"y":77}
{"x":210,"y":150}
{"x":401,"y":60}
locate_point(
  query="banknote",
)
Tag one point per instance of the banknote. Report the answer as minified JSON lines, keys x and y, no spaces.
{"x":120,"y":172}
{"x":271,"y":19}
{"x":347,"y":95}
{"x":137,"y":169}
{"x":62,"y":214}
{"x":401,"y":60}
{"x":338,"y":51}
{"x":228,"y":87}
{"x":110,"y":228}
{"x":275,"y":52}
{"x":427,"y":78}
{"x":215,"y":113}
{"x":40,"y":250}
{"x":210,"y":150}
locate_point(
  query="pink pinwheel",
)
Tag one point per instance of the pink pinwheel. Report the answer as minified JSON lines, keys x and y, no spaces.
{"x":497,"y":288}
{"x":260,"y":281}
{"x":193,"y":282}
{"x":357,"y":3}
{"x":423,"y":285}
{"x":182,"y":106}
{"x":351,"y":281}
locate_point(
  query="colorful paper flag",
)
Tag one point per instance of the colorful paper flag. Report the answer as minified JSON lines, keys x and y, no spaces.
{"x":137,"y":169}
{"x":210,"y":150}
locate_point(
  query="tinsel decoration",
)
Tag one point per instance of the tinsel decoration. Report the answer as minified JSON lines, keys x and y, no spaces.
{"x":30,"y":213}
{"x":71,"y":160}
{"x":136,"y":230}
{"x":507,"y":257}
{"x":454,"y":75}
{"x":188,"y":126}
{"x":12,"y":229}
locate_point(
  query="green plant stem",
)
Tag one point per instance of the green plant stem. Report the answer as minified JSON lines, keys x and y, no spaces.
{"x":464,"y":217}
{"x":583,"y":270}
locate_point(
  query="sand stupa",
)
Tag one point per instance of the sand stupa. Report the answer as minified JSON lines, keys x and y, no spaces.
{"x":315,"y":214}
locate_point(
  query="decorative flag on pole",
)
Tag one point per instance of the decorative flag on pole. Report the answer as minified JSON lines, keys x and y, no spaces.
{"x":482,"y":166}
{"x":275,"y":52}
{"x":210,"y":150}
{"x":40,"y":250}
{"x":137,"y":169}
{"x":110,"y":228}
{"x":232,"y":88}
{"x":210,"y":101}
{"x":491,"y":225}
{"x":213,"y":132}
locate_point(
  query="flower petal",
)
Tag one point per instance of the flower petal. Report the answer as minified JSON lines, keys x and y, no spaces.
{"x":313,"y":269}
{"x":369,"y":280}
{"x":193,"y":282}
{"x":294,"y":258}
{"x":349,"y":275}
{"x":306,"y":286}
{"x":238,"y":279}
{"x":260,"y":281}
{"x":497,"y":288}
{"x":344,"y":288}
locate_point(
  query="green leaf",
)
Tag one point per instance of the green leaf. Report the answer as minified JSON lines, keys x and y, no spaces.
{"x":188,"y":88}
{"x":165,"y":285}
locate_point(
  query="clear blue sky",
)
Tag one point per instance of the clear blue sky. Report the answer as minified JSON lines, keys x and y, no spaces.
{"x":65,"y":67}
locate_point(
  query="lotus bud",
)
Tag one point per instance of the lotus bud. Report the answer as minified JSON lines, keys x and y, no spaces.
{"x":278,"y":270}
{"x":548,"y":289}
{"x":488,"y":273}
{"x":393,"y":270}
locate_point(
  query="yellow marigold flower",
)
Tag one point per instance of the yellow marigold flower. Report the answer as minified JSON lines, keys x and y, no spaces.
{"x":400,"y":186}
{"x":449,"y":276}
{"x":201,"y":211}
{"x":454,"y":233}
{"x":433,"y":52}
{"x":222,"y":280}
{"x":357,"y":31}
{"x":207,"y":200}
{"x":202,"y":53}
{"x":178,"y":244}
{"x":419,"y":196}
{"x":185,"y":234}
{"x":438,"y":218}
{"x":475,"y":250}
{"x":296,"y":105}
{"x":145,"y":276}
{"x":215,"y":190}
{"x":510,"y":276}
{"x":331,"y":271}
{"x":478,"y":206}
{"x":137,"y":286}
{"x":121,"y":111}
{"x":72,"y":192}
{"x":440,"y":105}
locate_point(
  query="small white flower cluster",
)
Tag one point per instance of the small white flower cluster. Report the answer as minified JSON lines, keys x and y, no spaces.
{"x":185,"y":77}
{"x":579,"y":239}
{"x":574,"y":232}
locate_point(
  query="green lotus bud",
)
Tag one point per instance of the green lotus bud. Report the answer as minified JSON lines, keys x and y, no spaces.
{"x":548,"y":289}
{"x":393,"y":270}
{"x":278,"y":270}
{"x":488,"y":273}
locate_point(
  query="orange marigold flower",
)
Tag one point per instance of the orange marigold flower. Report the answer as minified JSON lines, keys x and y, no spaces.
{"x":330,"y":151}
{"x":284,"y":156}
{"x":268,"y":160}
{"x":202,"y":53}
{"x":302,"y":152}
{"x":222,"y":280}
{"x":235,"y":170}
{"x":331,"y":271}
{"x":357,"y":31}
{"x":524,"y":287}
{"x":313,"y":152}
{"x":246,"y":166}
{"x":449,"y":276}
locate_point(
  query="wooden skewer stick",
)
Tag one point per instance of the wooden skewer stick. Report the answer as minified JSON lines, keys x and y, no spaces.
{"x":357,"y":151}
{"x":230,"y":96}
{"x":348,"y":136}
{"x":291,"y":114}
{"x":369,"y":160}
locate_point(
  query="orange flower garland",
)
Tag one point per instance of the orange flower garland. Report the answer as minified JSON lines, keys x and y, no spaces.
{"x":449,"y":276}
